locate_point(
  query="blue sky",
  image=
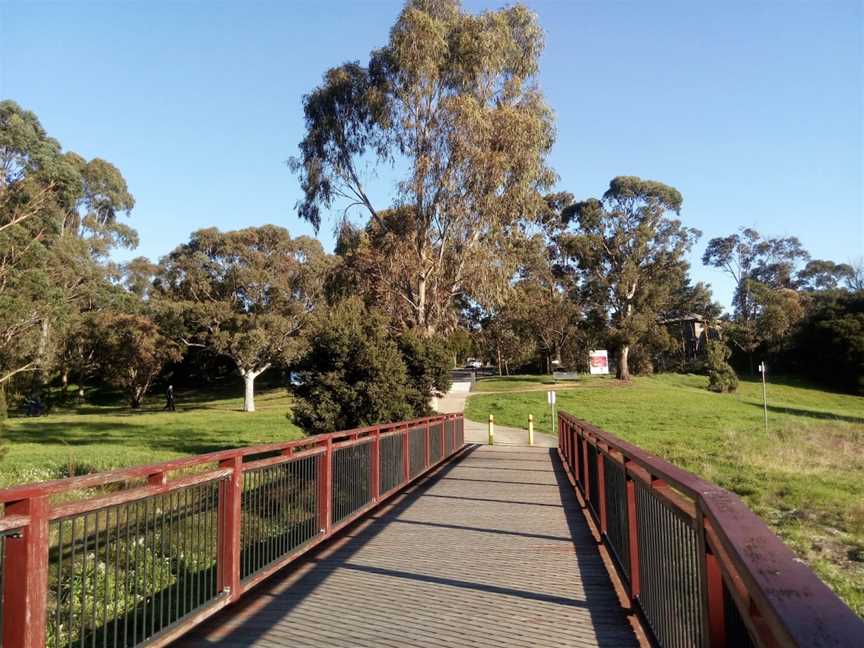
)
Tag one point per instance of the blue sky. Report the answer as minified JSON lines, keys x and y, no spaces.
{"x":752,"y":110}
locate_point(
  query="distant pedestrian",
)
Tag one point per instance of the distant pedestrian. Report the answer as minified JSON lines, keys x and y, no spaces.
{"x":169,"y":399}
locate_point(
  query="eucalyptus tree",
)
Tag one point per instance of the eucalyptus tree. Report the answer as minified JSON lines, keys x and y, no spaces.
{"x":130,"y":350}
{"x":749,"y":258}
{"x":629,"y":255}
{"x":58,"y":223}
{"x":451,"y":101}
{"x":245,"y":295}
{"x":764,"y":272}
{"x":821,"y":274}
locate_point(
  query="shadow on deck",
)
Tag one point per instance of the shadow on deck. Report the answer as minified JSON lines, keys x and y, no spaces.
{"x":491,"y":550}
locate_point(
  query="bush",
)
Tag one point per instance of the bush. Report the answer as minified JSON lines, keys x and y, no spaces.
{"x":721,"y":376}
{"x":352,"y":373}
{"x":829,"y":343}
{"x":428,"y":365}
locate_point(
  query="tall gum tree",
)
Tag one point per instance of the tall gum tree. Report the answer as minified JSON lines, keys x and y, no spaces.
{"x":630,"y":253}
{"x":452,"y":102}
{"x":764,"y":272}
{"x":245,"y":295}
{"x":58,"y":223}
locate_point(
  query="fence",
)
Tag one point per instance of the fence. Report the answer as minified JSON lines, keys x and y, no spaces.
{"x":699,"y":566}
{"x":162,"y":547}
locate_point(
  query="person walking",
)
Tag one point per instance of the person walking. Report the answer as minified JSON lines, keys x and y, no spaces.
{"x":169,"y":399}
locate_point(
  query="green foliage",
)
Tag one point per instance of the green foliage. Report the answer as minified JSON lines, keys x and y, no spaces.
{"x":352,"y":373}
{"x":828,"y":345}
{"x":245,"y":295}
{"x":456,"y":96}
{"x":427,"y":363}
{"x":629,"y":251}
{"x":721,"y":375}
{"x":58,"y":223}
{"x":131,"y":351}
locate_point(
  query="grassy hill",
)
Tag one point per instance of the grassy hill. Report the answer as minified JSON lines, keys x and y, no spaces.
{"x":805,"y":476}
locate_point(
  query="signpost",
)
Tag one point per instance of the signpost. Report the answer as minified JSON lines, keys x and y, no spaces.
{"x":762,"y":369}
{"x":550,"y":398}
{"x":598,"y":361}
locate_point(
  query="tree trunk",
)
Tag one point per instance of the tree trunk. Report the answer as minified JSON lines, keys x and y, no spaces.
{"x":421,"y":303}
{"x":249,"y":376}
{"x":499,"y":362}
{"x":64,"y":381}
{"x":249,"y":394}
{"x":623,"y":372}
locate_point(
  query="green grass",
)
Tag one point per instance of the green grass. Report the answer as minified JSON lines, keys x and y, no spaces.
{"x":804,"y":477}
{"x":511,"y":383}
{"x":101,"y":437}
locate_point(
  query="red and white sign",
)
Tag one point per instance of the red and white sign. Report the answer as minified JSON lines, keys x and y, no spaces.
{"x":598,"y":361}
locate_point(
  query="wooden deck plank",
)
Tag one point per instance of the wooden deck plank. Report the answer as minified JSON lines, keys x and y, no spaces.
{"x":491,"y":551}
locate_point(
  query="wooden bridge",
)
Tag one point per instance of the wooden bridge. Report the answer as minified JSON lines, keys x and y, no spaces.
{"x":404,"y":535}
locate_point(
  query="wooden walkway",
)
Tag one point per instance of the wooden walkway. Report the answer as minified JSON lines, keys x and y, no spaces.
{"x":490,"y":551}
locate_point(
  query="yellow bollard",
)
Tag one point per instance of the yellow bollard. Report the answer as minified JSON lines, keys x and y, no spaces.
{"x":530,"y":429}
{"x":491,"y":430}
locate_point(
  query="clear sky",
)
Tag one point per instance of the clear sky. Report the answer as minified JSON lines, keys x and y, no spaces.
{"x":752,"y":110}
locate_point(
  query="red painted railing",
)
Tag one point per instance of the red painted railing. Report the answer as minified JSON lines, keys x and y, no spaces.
{"x":142,"y":563}
{"x":699,"y":566}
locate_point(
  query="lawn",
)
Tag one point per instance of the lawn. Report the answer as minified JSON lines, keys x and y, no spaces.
{"x":805,"y":476}
{"x":100,"y":437}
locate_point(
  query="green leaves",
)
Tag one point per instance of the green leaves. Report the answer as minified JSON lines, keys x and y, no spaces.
{"x":452,"y":99}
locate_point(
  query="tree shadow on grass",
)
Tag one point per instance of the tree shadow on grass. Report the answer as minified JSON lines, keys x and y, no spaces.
{"x":814,"y":414}
{"x":180,"y":440}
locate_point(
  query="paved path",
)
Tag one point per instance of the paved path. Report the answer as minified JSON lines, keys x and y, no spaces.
{"x":476,"y":432}
{"x":490,"y":551}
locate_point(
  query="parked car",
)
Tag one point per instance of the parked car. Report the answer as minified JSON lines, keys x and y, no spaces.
{"x":474,"y":363}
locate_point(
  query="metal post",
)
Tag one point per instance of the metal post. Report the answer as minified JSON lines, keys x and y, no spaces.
{"x":530,"y":429}
{"x":601,"y":491}
{"x":230,"y":497}
{"x":634,"y":538}
{"x":764,"y":394}
{"x":406,"y":456}
{"x":375,"y":475}
{"x":25,"y":581}
{"x":491,"y":430}
{"x":326,"y":486}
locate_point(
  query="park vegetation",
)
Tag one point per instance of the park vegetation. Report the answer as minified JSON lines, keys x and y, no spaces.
{"x":474,"y":254}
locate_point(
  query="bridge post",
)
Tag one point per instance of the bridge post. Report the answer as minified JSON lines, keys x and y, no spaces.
{"x":443,"y":440}
{"x":325,"y":487}
{"x":601,"y":492}
{"x":25,"y":581}
{"x":230,"y":498}
{"x":491,"y":430}
{"x":712,"y":587}
{"x":633,"y":537}
{"x":406,"y":456}
{"x":428,"y":439}
{"x":375,"y":472}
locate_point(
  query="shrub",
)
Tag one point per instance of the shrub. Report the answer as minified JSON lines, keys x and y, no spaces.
{"x":428,"y":365}
{"x":352,"y":373}
{"x":721,"y":376}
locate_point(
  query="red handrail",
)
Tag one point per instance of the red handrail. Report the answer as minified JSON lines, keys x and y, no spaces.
{"x":28,"y":514}
{"x":779,"y":600}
